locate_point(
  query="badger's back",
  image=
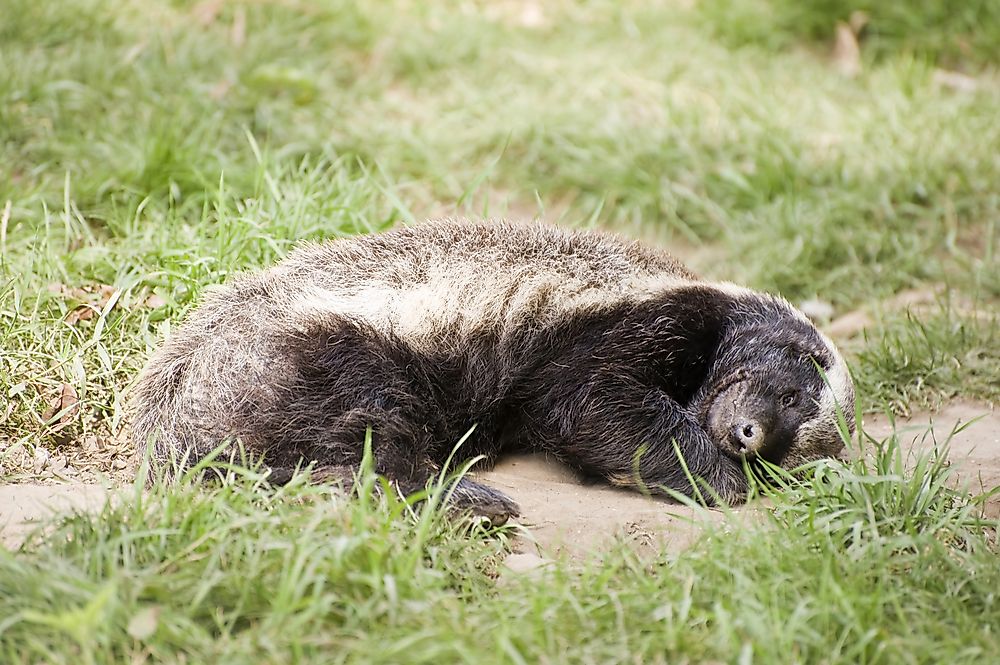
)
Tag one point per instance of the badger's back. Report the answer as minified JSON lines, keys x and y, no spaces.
{"x":466,"y":298}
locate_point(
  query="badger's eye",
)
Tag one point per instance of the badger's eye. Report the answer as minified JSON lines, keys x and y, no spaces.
{"x":789,"y":399}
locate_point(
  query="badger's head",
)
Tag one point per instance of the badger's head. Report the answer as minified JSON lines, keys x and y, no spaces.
{"x":773,"y":392}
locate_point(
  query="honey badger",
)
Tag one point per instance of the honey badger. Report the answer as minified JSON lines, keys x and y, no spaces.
{"x":608,"y":354}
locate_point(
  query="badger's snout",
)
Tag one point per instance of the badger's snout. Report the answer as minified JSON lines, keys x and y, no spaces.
{"x":746,"y":435}
{"x":741,"y":421}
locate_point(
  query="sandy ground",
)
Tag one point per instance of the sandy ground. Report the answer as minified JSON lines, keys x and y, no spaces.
{"x":563,"y":514}
{"x":24,"y":507}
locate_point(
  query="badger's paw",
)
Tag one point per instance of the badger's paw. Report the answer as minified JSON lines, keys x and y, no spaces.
{"x":728,"y":483}
{"x":482,"y":502}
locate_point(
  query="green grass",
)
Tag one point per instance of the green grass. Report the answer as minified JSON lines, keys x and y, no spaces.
{"x":858,"y":562}
{"x":157,"y":147}
{"x":919,"y":362}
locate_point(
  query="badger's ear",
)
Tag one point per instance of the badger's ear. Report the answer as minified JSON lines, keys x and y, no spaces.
{"x":810,"y":351}
{"x":820,"y":357}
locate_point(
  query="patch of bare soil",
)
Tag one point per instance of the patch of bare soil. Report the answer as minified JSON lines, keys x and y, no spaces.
{"x":24,"y":508}
{"x":563,"y":514}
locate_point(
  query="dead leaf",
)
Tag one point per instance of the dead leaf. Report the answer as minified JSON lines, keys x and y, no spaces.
{"x":154,"y":301}
{"x":858,"y":20}
{"x":41,"y":458}
{"x":846,"y":52}
{"x":92,"y":298}
{"x":238,"y":31}
{"x":64,"y":406}
{"x":143,"y":625}
{"x":4,"y":220}
{"x":205,"y":13}
{"x":81,"y":313}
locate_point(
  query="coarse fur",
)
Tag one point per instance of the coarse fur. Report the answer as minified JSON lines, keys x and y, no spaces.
{"x":606,"y":353}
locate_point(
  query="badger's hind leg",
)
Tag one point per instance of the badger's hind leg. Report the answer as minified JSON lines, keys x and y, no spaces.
{"x":354,"y":383}
{"x":342,"y":476}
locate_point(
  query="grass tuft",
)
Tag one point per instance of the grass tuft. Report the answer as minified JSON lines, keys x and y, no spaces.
{"x":921,"y":361}
{"x":885,"y":498}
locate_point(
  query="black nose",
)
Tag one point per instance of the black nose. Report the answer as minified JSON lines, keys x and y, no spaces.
{"x":746,"y":435}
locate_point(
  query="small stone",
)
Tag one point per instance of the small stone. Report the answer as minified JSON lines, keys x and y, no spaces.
{"x":42,"y":457}
{"x":143,"y":624}
{"x":524,"y":563}
{"x":818,"y":311}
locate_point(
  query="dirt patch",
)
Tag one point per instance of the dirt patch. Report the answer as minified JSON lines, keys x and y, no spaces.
{"x":974,"y":451}
{"x":564,"y":514}
{"x":23,"y":508}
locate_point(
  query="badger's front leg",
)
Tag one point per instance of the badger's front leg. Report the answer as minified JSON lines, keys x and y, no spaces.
{"x":638,"y":436}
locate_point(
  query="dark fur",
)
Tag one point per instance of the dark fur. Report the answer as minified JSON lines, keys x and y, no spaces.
{"x":609,"y":386}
